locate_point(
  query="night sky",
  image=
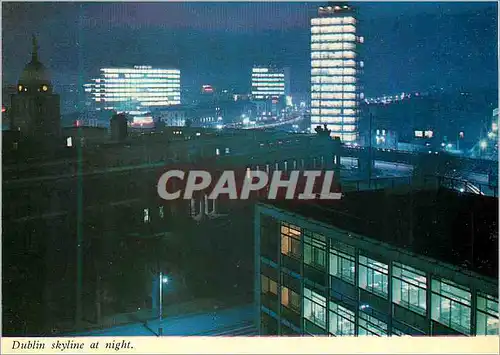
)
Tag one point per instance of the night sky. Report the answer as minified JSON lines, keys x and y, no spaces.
{"x":408,"y":46}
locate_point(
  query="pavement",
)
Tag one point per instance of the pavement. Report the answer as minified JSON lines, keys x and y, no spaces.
{"x":236,"y":321}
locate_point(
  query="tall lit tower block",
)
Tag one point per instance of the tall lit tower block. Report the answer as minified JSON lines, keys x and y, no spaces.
{"x":335,"y":71}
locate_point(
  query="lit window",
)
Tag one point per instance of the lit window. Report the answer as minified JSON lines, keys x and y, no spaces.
{"x":268,"y":286}
{"x":369,"y":325}
{"x":373,"y":276}
{"x":69,"y":142}
{"x":451,"y":305}
{"x":315,"y":308}
{"x":341,"y":320}
{"x":487,"y":315}
{"x":146,"y":216}
{"x":290,"y":240}
{"x":342,"y":264}
{"x":409,"y":288}
{"x":290,"y":299}
{"x":314,"y":250}
{"x":227,"y":151}
{"x":161,"y":211}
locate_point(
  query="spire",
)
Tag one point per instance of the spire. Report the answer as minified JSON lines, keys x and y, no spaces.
{"x":34,"y":53}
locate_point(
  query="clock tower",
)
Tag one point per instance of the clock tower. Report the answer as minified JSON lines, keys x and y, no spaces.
{"x":35,"y":108}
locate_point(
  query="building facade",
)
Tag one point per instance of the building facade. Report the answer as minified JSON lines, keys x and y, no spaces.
{"x":135,"y":90}
{"x":335,"y":69}
{"x":315,"y":278}
{"x":270,"y":87}
{"x":35,"y":110}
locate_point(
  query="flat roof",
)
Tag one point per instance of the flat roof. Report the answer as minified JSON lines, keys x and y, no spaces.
{"x":457,"y":228}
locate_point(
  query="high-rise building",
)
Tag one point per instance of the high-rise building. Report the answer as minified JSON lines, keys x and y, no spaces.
{"x":335,"y":69}
{"x":135,"y":90}
{"x":35,"y":108}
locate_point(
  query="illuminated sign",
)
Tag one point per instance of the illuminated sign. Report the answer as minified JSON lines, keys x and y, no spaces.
{"x":208,"y":89}
{"x":419,"y":134}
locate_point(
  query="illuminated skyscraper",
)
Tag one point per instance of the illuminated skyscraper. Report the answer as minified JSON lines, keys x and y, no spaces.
{"x":335,"y":69}
{"x":135,"y":90}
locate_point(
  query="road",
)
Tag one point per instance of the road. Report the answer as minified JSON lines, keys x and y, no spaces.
{"x":237,"y":321}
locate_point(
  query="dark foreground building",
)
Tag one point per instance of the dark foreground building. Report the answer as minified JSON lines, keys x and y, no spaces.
{"x":379,"y":263}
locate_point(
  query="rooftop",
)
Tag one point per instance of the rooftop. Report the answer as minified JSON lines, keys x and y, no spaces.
{"x":456,"y":228}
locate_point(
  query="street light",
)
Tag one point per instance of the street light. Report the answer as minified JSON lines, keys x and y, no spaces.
{"x":483,"y":144}
{"x":163,"y":280}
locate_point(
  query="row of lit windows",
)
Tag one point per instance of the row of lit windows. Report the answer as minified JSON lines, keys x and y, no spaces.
{"x":131,"y":81}
{"x":333,"y":96}
{"x":130,"y":70}
{"x":143,"y":102}
{"x":266,"y":84}
{"x":332,"y":119}
{"x":332,"y":46}
{"x":332,"y":111}
{"x":133,"y":90}
{"x":267,"y":93}
{"x":333,"y":20}
{"x":333,"y":29}
{"x":345,"y":103}
{"x":267,"y":80}
{"x":333,"y":55}
{"x":144,"y":76}
{"x":161,"y":103}
{"x":332,"y":63}
{"x":107,"y":86}
{"x":348,"y":37}
{"x":333,"y":80}
{"x":451,"y":303}
{"x":254,"y":75}
{"x":139,"y":94}
{"x":335,"y":88}
{"x":333,"y":71}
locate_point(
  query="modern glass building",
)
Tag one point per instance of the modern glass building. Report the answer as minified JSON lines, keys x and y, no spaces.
{"x":268,"y":83}
{"x":135,"y":90}
{"x":322,"y":271}
{"x":335,"y":69}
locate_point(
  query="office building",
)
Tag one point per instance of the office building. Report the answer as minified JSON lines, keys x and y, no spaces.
{"x":268,"y":83}
{"x":335,"y":69}
{"x":135,"y":91}
{"x":349,"y":268}
{"x":270,"y":87}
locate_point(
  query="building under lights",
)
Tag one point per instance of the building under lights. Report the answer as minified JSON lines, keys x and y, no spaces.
{"x":135,"y":90}
{"x":270,"y":87}
{"x":348,"y":269}
{"x":335,"y":69}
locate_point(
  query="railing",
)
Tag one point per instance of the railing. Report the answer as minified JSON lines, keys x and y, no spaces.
{"x":466,"y":186}
{"x":426,"y":182}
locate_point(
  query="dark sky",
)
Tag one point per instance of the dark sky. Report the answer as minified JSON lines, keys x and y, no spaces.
{"x":408,"y":46}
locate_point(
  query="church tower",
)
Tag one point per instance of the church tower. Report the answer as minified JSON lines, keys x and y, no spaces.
{"x":35,"y":108}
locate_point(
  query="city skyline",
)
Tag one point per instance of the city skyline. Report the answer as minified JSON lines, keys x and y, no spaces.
{"x":446,"y":45}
